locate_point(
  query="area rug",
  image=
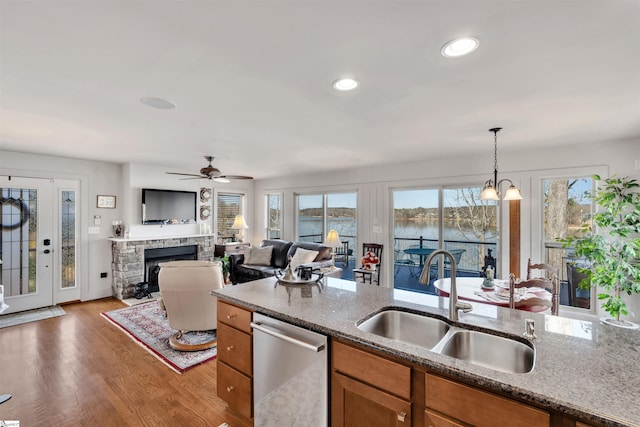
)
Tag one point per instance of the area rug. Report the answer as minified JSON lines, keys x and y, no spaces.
{"x":148,"y":326}
{"x":7,"y":320}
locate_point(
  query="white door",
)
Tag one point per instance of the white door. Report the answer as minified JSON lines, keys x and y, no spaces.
{"x":26,"y":242}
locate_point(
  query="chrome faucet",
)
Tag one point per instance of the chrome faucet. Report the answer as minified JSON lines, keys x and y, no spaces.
{"x":454,"y":304}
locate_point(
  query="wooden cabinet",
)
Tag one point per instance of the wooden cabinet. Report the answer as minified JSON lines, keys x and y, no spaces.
{"x":368,"y":390}
{"x":235,"y":357}
{"x":457,"y":404}
{"x":372,"y":389}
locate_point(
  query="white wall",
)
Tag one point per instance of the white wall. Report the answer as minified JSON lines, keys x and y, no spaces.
{"x":526,"y":168}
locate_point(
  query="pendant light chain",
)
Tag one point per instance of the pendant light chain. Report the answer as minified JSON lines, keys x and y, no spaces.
{"x":495,"y":150}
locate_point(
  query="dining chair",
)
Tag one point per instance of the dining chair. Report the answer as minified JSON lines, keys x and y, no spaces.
{"x":400,"y":259}
{"x":551,"y":284}
{"x":368,"y":275}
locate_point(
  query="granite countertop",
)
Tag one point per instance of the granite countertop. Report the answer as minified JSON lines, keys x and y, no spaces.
{"x":582,"y":368}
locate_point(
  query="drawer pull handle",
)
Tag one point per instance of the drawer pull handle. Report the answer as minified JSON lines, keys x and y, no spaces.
{"x":230,"y":388}
{"x":230,"y":348}
{"x":402,"y":416}
{"x":230,"y":316}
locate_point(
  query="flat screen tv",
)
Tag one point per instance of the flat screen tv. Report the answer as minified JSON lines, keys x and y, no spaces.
{"x":168,"y":206}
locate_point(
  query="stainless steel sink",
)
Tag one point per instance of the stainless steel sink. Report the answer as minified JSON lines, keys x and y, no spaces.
{"x":407,"y":327}
{"x":479,"y":348}
{"x":490,"y":351}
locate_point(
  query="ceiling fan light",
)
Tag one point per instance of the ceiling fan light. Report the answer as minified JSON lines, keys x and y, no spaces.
{"x":221,"y":180}
{"x":512,"y":194}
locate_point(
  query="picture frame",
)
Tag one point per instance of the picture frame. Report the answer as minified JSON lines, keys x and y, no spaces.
{"x":106,"y":202}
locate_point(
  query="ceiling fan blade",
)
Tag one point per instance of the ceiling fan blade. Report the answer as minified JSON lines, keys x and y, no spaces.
{"x":194,"y":177}
{"x":235,"y":177}
{"x":185,"y":174}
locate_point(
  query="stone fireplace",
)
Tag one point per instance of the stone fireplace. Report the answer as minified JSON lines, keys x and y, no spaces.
{"x":133,"y":261}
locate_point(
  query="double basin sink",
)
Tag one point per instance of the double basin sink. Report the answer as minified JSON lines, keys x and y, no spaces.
{"x":479,"y":348}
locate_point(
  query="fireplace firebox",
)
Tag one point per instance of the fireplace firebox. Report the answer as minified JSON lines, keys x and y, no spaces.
{"x":153,"y":257}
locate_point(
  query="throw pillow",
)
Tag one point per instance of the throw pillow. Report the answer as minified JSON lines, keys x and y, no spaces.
{"x":259,"y":256}
{"x":303,"y":256}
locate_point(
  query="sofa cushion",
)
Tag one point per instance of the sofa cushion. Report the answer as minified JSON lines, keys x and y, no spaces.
{"x":279,"y":258}
{"x":303,"y":256}
{"x":324,"y":252}
{"x":259,"y":256}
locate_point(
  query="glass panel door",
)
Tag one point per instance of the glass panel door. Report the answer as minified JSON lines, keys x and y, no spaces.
{"x":416,"y":233}
{"x":26,"y":247}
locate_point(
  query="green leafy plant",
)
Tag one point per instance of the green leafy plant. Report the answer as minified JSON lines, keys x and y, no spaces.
{"x":612,"y":250}
{"x":226,"y":265}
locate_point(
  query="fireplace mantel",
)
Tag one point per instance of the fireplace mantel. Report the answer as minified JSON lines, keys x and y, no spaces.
{"x":127,"y":262}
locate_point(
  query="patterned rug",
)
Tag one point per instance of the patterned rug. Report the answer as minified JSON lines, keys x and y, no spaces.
{"x":7,"y":320}
{"x":147,"y":325}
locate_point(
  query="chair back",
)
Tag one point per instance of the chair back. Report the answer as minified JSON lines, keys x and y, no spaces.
{"x":376,"y":248}
{"x":186,"y":288}
{"x":551,"y":283}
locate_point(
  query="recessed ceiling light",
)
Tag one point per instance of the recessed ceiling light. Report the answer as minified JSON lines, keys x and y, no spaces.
{"x":345,"y":84}
{"x":460,"y":47}
{"x":158,"y":103}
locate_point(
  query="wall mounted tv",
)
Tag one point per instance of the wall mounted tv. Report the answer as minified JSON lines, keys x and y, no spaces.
{"x":168,"y":206}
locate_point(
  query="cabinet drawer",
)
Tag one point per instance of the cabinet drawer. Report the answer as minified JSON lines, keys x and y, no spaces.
{"x":235,"y":349}
{"x":235,"y":389}
{"x":371,"y":369}
{"x":478,"y":407}
{"x":234,"y":316}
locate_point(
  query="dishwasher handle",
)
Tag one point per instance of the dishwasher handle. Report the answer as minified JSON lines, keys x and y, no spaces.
{"x":281,"y":335}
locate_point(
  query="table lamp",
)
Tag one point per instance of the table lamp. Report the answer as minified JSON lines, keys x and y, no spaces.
{"x":239,"y":224}
{"x":332,"y":241}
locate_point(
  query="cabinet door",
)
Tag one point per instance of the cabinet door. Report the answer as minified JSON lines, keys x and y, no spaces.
{"x":355,"y":404}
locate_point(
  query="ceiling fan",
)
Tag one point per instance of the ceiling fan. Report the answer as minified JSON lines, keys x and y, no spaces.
{"x":210,"y":172}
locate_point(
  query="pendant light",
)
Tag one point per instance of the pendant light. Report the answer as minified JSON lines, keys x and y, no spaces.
{"x":492,"y":187}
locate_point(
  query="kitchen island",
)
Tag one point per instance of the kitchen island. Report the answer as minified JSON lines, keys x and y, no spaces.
{"x":584,"y":371}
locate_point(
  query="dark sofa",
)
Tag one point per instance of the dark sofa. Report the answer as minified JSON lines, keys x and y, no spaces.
{"x":282,"y":250}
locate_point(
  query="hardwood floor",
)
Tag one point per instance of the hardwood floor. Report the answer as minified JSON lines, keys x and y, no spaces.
{"x":80,"y":370}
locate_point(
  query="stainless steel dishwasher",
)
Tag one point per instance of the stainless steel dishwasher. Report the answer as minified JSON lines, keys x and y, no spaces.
{"x":290,"y":368}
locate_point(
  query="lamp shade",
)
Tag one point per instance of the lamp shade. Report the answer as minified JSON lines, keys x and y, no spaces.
{"x":512,"y":194}
{"x":333,"y":239}
{"x":239,"y":223}
{"x":489,"y":193}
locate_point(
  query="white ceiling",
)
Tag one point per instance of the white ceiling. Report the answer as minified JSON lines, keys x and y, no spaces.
{"x":252,"y":80}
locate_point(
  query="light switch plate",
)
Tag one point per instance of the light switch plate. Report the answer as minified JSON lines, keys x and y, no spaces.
{"x":377,"y":229}
{"x":94,"y":230}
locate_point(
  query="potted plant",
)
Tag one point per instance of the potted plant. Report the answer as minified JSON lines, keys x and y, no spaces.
{"x":612,"y":249}
{"x":226,"y":266}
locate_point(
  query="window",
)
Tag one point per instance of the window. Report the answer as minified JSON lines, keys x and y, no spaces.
{"x":68,"y":226}
{"x":566,"y":209}
{"x":227,"y":207}
{"x":319,"y":213}
{"x":452,"y":218}
{"x":274,"y":216}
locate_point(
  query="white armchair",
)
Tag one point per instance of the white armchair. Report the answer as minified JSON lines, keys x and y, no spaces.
{"x":186,"y":288}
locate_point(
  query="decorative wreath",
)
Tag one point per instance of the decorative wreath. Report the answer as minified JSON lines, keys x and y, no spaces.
{"x":370,"y":261}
